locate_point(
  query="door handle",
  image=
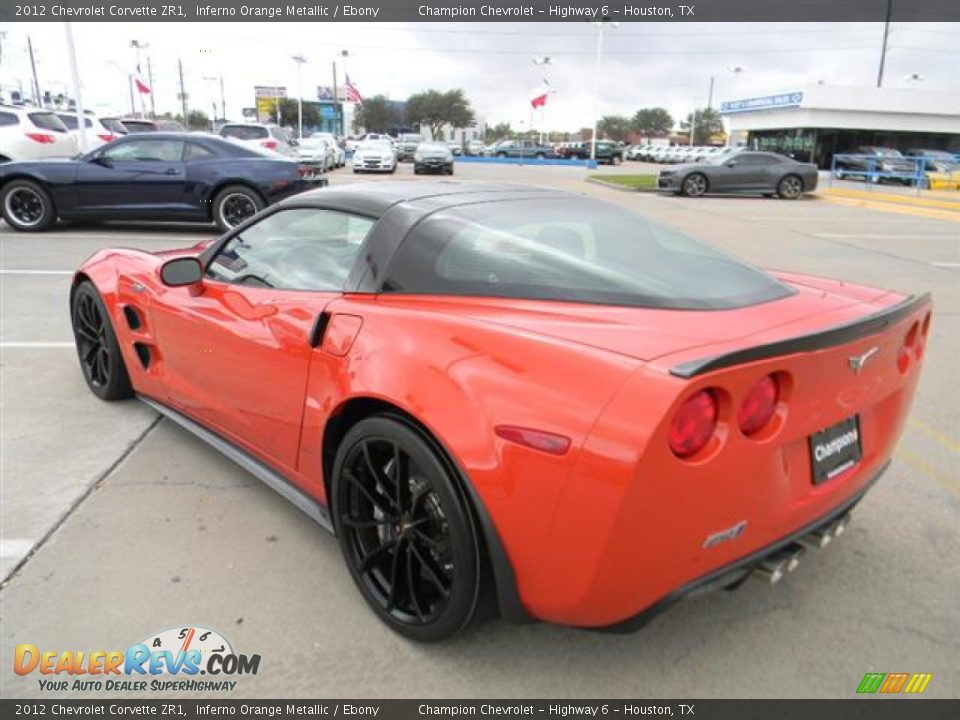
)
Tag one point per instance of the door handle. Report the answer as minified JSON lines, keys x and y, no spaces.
{"x":172,"y":171}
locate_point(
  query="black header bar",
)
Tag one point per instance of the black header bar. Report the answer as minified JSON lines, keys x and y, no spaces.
{"x":482,"y":11}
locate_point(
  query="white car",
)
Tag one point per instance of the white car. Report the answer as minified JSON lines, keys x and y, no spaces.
{"x":375,"y":156}
{"x":32,"y":134}
{"x":264,"y":136}
{"x":97,"y":133}
{"x":332,"y":141}
{"x":316,"y":151}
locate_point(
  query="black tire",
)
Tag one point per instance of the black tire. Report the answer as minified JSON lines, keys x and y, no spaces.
{"x":97,"y":348}
{"x":450,"y":170}
{"x":616,"y":160}
{"x":694,"y":185}
{"x":790,"y":187}
{"x":540,"y":156}
{"x":235,"y":204}
{"x":27,"y":206}
{"x":501,"y":154}
{"x":416,"y":170}
{"x":434,"y":595}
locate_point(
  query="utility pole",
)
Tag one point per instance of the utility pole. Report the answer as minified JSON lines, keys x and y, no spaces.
{"x":183,"y":92}
{"x":299,"y":60}
{"x":223,"y":103}
{"x":153,"y":90}
{"x":75,"y":77}
{"x":710,"y":94}
{"x":600,"y":25}
{"x":33,"y":68}
{"x":883,"y":51}
{"x":133,"y":106}
{"x":337,"y":110}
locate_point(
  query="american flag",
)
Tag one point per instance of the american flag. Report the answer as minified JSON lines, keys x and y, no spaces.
{"x":353,"y":95}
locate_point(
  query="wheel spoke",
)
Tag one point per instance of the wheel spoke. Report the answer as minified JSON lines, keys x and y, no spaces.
{"x":432,"y":543}
{"x":434,"y":574}
{"x":90,"y":354}
{"x":401,"y":476}
{"x":394,"y":569}
{"x":361,"y":524}
{"x":374,"y":556}
{"x":372,"y":495}
{"x":411,"y":584}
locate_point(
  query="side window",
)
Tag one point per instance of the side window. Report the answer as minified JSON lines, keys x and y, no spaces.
{"x":146,"y":150}
{"x":8,"y":118}
{"x":197,"y":152}
{"x":297,"y":249}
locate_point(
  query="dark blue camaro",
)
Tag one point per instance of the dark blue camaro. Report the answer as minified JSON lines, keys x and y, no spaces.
{"x":161,"y":176}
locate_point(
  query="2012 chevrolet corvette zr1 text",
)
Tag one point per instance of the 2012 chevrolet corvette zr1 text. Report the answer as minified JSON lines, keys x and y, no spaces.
{"x":516,"y":395}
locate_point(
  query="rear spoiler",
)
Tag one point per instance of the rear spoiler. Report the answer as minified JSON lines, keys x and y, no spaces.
{"x":870,"y":325}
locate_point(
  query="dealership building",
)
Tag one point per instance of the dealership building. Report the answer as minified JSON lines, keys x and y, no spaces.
{"x":814,"y":123}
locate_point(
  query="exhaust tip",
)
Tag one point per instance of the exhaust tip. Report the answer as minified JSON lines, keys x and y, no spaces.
{"x":818,"y":538}
{"x":774,"y":568}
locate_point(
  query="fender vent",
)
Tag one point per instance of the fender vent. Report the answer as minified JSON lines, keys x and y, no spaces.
{"x":133,"y":317}
{"x":143,"y":353}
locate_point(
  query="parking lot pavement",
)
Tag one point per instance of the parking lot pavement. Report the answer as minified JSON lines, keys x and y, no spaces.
{"x":136,"y":526}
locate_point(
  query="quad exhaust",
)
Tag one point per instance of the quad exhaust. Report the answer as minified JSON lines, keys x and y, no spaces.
{"x":775,"y":567}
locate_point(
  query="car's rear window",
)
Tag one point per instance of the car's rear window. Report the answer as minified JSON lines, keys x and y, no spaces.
{"x":136,"y":126}
{"x":113,"y":125}
{"x":244,"y":132}
{"x":570,"y":249}
{"x":47,"y":121}
{"x":70,"y":120}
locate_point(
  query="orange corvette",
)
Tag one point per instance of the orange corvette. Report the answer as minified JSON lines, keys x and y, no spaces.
{"x":516,"y":395}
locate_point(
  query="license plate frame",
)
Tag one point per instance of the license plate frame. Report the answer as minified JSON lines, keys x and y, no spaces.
{"x":835,"y":449}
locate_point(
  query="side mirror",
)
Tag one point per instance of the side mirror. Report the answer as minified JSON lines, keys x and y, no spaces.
{"x":102,"y":161}
{"x":181,"y":271}
{"x":731,"y":163}
{"x":294,"y":143}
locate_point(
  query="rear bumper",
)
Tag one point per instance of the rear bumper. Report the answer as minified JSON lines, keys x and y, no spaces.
{"x":736,"y":571}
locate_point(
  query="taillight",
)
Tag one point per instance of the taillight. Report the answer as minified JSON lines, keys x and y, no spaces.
{"x":269,"y":144}
{"x":107,"y":138}
{"x":536,"y":439}
{"x":42,"y":138}
{"x":694,"y":424}
{"x":910,"y":342}
{"x":305,"y":171}
{"x":758,"y":406}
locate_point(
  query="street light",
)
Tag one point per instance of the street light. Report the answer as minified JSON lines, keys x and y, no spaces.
{"x":543,"y":62}
{"x":600,"y":25}
{"x":299,"y":60}
{"x":213,"y":101}
{"x":138,"y":46}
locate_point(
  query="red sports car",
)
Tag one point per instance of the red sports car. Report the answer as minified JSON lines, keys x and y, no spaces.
{"x":516,"y":395}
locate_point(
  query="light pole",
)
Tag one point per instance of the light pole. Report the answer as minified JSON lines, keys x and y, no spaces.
{"x":299,"y":60}
{"x":600,"y":25}
{"x":544,"y":63}
{"x":75,"y":77}
{"x":213,"y":100}
{"x":138,"y":46}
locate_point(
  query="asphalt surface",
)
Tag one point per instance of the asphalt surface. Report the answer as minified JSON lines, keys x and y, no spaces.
{"x":117,"y":524}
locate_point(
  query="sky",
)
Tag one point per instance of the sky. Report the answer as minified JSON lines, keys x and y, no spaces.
{"x":644,"y":64}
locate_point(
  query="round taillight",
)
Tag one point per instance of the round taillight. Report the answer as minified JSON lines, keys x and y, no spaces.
{"x":694,"y":424}
{"x":758,"y":406}
{"x":903,"y":360}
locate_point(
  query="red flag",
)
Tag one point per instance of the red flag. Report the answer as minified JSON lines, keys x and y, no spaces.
{"x":539,"y":98}
{"x":142,"y":87}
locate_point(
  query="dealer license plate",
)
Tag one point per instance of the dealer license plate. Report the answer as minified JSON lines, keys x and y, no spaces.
{"x":836,"y":449}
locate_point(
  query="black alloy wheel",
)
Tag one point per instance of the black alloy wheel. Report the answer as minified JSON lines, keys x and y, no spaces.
{"x":694,"y":185}
{"x":97,"y":348}
{"x":27,"y":206}
{"x":234,"y":205}
{"x":405,"y":532}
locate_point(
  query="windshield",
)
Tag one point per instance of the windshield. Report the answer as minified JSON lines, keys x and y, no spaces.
{"x":411,"y":138}
{"x":432,"y":147}
{"x":245,"y":132}
{"x":374,"y":145}
{"x":570,"y":249}
{"x":887,"y":152}
{"x":139,"y":125}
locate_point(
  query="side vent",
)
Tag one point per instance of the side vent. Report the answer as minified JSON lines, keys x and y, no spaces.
{"x":319,"y":329}
{"x":133,"y":317}
{"x":143,"y":353}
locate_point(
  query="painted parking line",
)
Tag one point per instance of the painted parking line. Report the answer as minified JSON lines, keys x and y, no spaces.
{"x":935,"y":434}
{"x":902,"y":209}
{"x":918,"y":463}
{"x":883,"y":236}
{"x":946,"y":264}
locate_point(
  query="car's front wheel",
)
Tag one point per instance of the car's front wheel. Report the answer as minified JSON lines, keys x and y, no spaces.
{"x":100,"y":358}
{"x":404,"y":529}
{"x":790,"y":187}
{"x":27,"y":206}
{"x":694,"y":185}
{"x":234,"y":205}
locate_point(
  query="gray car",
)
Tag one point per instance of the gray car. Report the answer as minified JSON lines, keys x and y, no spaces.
{"x":759,"y":173}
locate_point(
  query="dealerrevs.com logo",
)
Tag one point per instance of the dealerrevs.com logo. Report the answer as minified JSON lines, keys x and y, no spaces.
{"x":181,"y":659}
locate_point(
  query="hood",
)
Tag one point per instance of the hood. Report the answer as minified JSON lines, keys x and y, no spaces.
{"x":647,"y":334}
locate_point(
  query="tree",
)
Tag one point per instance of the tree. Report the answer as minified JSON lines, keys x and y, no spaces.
{"x":436,"y":109}
{"x":376,"y":114}
{"x":613,"y":127}
{"x":497,"y":132}
{"x":652,"y":121}
{"x":197,"y":120}
{"x":706,"y":123}
{"x":288,"y":111}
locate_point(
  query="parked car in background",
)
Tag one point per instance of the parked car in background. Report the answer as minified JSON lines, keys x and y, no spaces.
{"x":114,"y":125}
{"x":608,"y":152}
{"x":876,"y":164}
{"x":336,"y":144}
{"x":433,"y":157}
{"x":475,"y":148}
{"x":188,"y":177}
{"x":936,"y":160}
{"x":139,"y":125}
{"x":521,"y":149}
{"x":761,"y":173}
{"x":96,"y":134}
{"x":455,"y":147}
{"x":263,"y":136}
{"x":407,"y":144}
{"x":318,"y":152}
{"x":33,"y":134}
{"x":375,"y":156}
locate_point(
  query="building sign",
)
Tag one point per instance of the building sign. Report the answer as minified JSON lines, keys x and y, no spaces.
{"x":770,"y":102}
{"x":267,"y":98}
